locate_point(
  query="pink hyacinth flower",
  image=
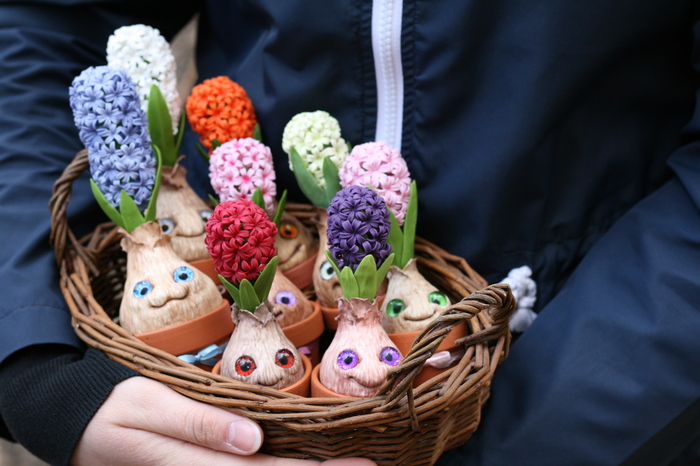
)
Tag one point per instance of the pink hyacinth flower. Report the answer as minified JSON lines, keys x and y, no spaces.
{"x":383,"y":168}
{"x":240,"y":166}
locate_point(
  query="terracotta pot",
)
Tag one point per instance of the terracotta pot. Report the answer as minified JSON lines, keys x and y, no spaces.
{"x":307,"y":333}
{"x":302,"y":275}
{"x":318,"y":390}
{"x":206,"y":266}
{"x":191,"y":336}
{"x":404,"y":341}
{"x":301,"y":387}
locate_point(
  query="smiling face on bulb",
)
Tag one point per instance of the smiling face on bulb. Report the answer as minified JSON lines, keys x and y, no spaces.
{"x":161,"y":289}
{"x":294,"y":242}
{"x":357,"y":360}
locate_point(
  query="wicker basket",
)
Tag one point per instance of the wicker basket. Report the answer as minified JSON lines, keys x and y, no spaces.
{"x":400,"y":425}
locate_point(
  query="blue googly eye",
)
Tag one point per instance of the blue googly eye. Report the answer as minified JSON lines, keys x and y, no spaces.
{"x":142,"y":289}
{"x":286,"y":297}
{"x":326,"y":270}
{"x":183,"y":274}
{"x":167,"y":225}
{"x":347,"y":359}
{"x":390,"y":355}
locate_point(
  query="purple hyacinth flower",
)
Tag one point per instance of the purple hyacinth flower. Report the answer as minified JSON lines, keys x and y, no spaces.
{"x":113,"y":128}
{"x":358,"y":225}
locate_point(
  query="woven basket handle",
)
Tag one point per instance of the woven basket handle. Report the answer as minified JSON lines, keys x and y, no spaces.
{"x":61,"y":235}
{"x":495,"y":304}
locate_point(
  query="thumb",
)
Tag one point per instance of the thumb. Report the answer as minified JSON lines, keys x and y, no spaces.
{"x":157,"y":408}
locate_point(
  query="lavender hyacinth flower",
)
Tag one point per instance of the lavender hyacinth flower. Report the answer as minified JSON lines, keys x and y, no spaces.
{"x":113,"y":128}
{"x":358,"y":225}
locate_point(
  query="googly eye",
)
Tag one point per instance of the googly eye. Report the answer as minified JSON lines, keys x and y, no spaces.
{"x":205,"y":215}
{"x":245,"y":365}
{"x":437,"y":297}
{"x":347,"y":359}
{"x":167,"y":225}
{"x":286,"y":297}
{"x":326,"y":270}
{"x":183,"y":274}
{"x":142,"y":289}
{"x":390,"y":355}
{"x":288,"y":230}
{"x":284,"y":358}
{"x":394,"y":307}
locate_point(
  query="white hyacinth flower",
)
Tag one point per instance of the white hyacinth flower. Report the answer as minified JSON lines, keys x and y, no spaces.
{"x":315,"y":136}
{"x":144,"y":54}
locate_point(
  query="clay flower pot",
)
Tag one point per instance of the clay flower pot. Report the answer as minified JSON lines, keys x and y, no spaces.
{"x":441,"y":359}
{"x":301,"y":387}
{"x":193,"y":335}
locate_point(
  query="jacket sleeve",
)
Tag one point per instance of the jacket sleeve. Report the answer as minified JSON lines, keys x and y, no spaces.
{"x":43,"y":46}
{"x":608,"y":372}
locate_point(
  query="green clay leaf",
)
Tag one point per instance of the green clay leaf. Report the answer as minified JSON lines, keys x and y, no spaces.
{"x":330,"y":175}
{"x":333,"y":263}
{"x":409,"y":226}
{"x":180,"y":132}
{"x":160,"y":126}
{"x":249,"y":300}
{"x":280,"y":208}
{"x":258,"y":198}
{"x":231,"y":288}
{"x":215,"y":143}
{"x":130,"y":212}
{"x":366,"y":277}
{"x":264,"y":281}
{"x":257,"y":133}
{"x":108,"y":208}
{"x":214,"y":200}
{"x":150,"y":214}
{"x":381,"y":273}
{"x":348,"y":283}
{"x":395,"y":239}
{"x":306,"y":181}
{"x":203,"y":152}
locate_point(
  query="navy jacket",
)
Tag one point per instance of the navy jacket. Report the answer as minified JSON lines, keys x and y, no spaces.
{"x":556,"y":134}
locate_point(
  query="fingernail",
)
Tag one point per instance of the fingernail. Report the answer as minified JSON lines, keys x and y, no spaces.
{"x":244,"y":437}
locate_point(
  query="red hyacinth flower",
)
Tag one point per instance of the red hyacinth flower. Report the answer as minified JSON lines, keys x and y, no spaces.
{"x":240,"y":239}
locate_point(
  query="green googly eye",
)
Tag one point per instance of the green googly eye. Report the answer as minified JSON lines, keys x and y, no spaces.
{"x":436,"y":297}
{"x":395,"y":307}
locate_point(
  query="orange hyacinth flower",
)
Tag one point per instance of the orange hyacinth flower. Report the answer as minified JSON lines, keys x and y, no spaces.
{"x":219,"y":108}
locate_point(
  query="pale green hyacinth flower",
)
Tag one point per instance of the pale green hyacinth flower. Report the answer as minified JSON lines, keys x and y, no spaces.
{"x":315,"y":136}
{"x":144,"y":54}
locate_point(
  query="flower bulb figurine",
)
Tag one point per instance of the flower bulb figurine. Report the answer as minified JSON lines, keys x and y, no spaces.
{"x":316,"y":150}
{"x":411,"y":301}
{"x":360,"y":354}
{"x":143,"y":53}
{"x":241,"y":241}
{"x":160,"y":289}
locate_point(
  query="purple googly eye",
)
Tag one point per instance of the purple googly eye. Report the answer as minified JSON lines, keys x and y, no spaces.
{"x":286,"y":297}
{"x":390,"y":355}
{"x":347,"y":359}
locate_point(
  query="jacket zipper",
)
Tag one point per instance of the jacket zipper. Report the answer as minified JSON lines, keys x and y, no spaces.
{"x":386,"y":47}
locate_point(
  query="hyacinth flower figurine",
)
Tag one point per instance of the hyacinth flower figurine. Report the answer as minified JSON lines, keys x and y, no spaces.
{"x":411,"y":301}
{"x":360,"y":354}
{"x":316,"y":150}
{"x":241,"y":241}
{"x":160,"y":288}
{"x":143,"y":53}
{"x":238,"y":168}
{"x":219,"y":110}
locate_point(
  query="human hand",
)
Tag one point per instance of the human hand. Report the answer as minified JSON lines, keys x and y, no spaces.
{"x":143,"y":422}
